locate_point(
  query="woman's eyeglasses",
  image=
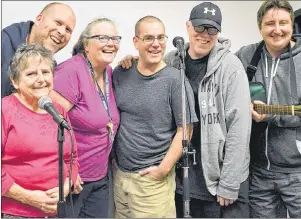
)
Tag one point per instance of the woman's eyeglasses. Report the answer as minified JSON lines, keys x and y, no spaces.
{"x":105,"y":38}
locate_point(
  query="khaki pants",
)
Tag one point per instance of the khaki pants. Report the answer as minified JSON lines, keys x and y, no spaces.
{"x":138,"y":196}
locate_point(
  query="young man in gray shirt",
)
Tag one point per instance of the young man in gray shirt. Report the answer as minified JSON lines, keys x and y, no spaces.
{"x":149,"y":140}
{"x":219,"y":184}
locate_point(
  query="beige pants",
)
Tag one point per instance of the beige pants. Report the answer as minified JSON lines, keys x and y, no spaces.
{"x":138,"y":196}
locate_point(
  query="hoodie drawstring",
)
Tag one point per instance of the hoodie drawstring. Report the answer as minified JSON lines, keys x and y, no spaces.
{"x":273,"y":73}
{"x":266,"y":66}
{"x":212,"y":90}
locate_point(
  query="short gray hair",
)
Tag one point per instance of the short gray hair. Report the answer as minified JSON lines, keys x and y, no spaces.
{"x":23,"y":54}
{"x":79,"y":46}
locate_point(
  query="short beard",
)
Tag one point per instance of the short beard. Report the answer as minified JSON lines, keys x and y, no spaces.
{"x":40,"y":39}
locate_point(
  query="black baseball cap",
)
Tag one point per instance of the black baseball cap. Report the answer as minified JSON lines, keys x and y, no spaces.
{"x":206,"y":13}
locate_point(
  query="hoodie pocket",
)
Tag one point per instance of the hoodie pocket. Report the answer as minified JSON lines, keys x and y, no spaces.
{"x":283,"y":146}
{"x":212,"y":156}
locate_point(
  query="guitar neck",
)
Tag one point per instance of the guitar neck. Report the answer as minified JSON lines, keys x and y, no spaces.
{"x":277,"y":109}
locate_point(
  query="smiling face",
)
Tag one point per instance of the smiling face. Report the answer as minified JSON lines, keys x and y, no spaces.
{"x":54,"y":27}
{"x":35,"y":80}
{"x":101,"y":53}
{"x":150,"y":52}
{"x":276,"y":29}
{"x":200,"y":44}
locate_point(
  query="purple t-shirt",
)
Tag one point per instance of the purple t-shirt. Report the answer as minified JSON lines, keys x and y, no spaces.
{"x":89,"y":119}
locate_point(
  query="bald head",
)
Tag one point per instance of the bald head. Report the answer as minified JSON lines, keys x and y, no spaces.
{"x":53,"y":26}
{"x":53,"y":5}
{"x":59,"y":7}
{"x":146,"y":19}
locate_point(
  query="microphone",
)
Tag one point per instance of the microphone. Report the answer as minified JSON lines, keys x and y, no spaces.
{"x":45,"y":103}
{"x":178,"y":42}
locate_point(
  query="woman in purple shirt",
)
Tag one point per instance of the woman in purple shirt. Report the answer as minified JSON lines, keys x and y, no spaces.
{"x":83,"y":85}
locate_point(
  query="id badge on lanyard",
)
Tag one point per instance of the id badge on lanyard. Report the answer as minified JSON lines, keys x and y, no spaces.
{"x":104,"y":99}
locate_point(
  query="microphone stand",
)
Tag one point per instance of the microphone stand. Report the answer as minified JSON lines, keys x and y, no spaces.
{"x":61,"y":213}
{"x":186,"y":148}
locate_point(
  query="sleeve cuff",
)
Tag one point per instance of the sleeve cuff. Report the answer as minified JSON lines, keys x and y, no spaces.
{"x":227,"y":192}
{"x":7,"y":182}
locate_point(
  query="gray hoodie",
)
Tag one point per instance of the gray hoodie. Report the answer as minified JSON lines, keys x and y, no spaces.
{"x":280,"y":147}
{"x":224,"y":101}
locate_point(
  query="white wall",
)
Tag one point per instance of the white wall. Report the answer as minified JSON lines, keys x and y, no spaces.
{"x":239,"y":19}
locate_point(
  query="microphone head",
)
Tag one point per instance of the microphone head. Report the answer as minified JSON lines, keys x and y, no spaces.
{"x":43,"y":101}
{"x":178,"y":40}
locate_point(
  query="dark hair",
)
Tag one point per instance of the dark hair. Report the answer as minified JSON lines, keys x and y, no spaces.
{"x":148,"y":18}
{"x":277,"y":4}
{"x":79,"y":46}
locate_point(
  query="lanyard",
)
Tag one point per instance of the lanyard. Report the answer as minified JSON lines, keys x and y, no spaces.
{"x":104,"y":98}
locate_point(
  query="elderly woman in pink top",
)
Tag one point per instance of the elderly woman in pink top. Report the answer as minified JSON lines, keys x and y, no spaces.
{"x":29,"y":147}
{"x":83,"y":86}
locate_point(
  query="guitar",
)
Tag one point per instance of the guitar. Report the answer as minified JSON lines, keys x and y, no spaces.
{"x":294,"y":110}
{"x":257,"y":92}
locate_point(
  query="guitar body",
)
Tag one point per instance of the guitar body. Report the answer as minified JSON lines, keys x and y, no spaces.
{"x":257,"y":92}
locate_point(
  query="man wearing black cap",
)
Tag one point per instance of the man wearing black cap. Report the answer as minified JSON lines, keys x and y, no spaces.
{"x":219,"y":181}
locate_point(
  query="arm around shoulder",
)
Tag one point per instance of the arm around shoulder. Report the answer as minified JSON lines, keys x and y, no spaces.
{"x":169,"y":57}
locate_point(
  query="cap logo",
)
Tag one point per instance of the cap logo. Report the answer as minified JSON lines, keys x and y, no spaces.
{"x":207,"y":10}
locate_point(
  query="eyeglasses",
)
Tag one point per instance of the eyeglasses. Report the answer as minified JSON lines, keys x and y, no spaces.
{"x":149,"y":39}
{"x":210,"y":30}
{"x":105,"y":38}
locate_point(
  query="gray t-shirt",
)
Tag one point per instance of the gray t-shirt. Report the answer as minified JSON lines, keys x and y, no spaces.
{"x":150,"y":111}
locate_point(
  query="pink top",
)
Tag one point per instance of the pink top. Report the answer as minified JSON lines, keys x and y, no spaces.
{"x":89,"y":119}
{"x":30,"y":153}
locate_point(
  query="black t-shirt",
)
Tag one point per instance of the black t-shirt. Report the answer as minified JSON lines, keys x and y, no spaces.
{"x":195,"y":70}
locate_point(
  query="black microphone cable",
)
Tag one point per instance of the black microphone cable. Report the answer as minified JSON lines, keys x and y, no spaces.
{"x":70,"y":171}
